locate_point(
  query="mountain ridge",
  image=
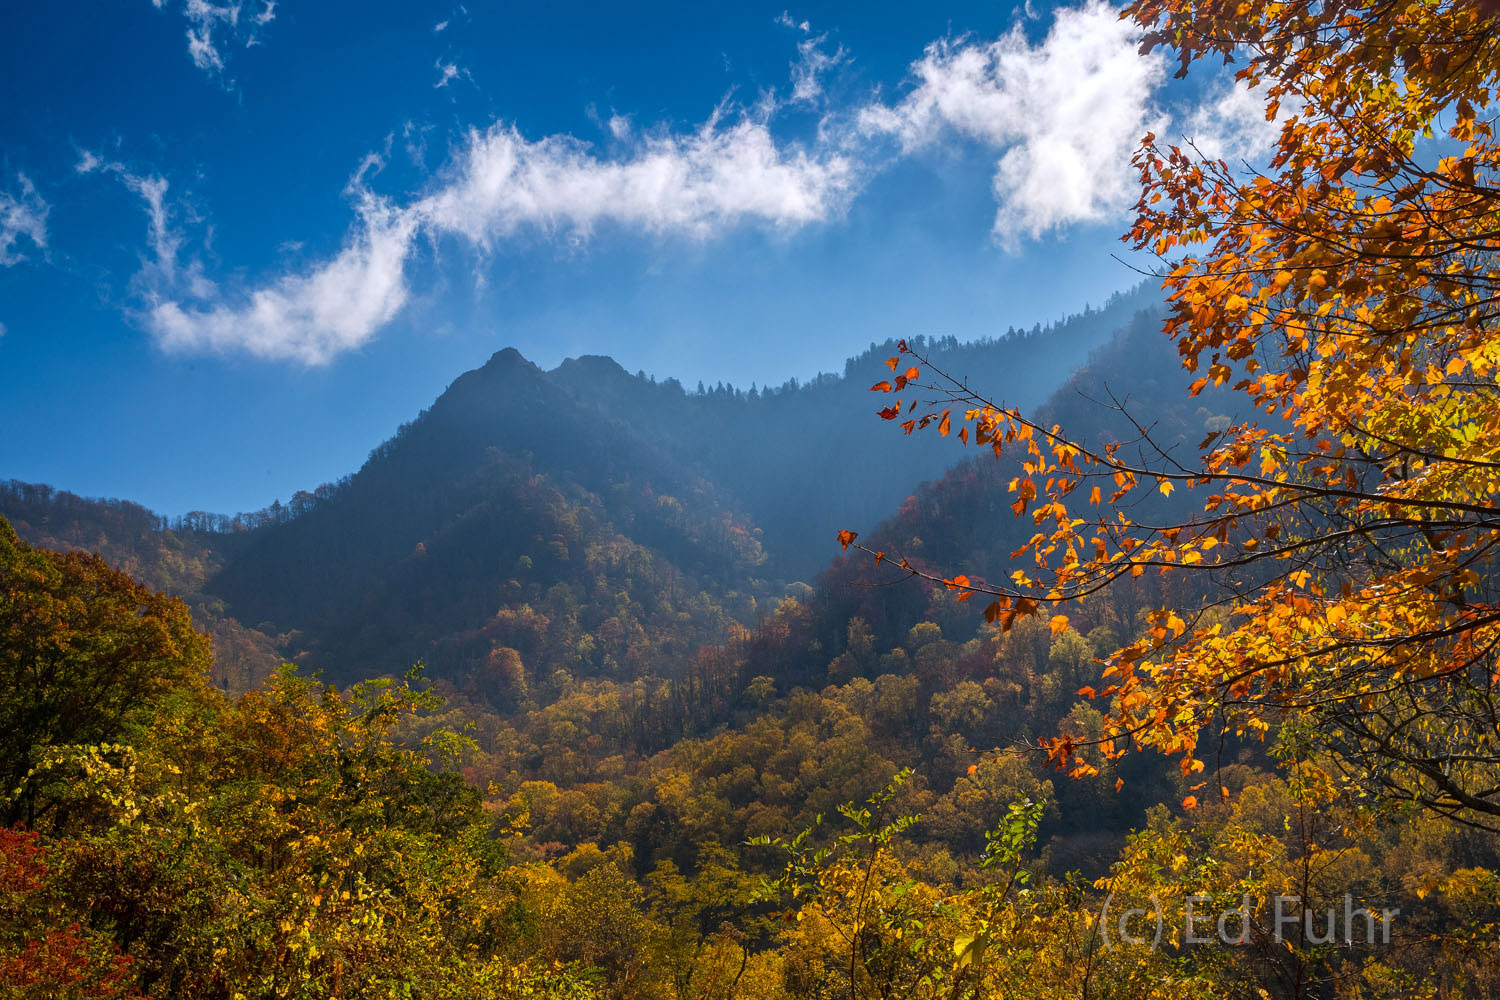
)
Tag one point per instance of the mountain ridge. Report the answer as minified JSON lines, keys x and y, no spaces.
{"x":646,"y":517}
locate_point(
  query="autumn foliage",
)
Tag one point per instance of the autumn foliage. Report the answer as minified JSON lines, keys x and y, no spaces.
{"x":1299,"y":611}
{"x":1346,"y":531}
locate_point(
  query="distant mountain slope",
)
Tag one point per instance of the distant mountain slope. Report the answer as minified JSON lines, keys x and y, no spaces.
{"x":806,"y":460}
{"x":582,"y":521}
{"x":508,"y":493}
{"x":580,"y":557}
{"x":129,"y":536}
{"x":962,"y":521}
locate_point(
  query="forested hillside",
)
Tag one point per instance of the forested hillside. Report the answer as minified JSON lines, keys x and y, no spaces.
{"x":759,"y":444}
{"x":593,"y":603}
{"x":1153,"y":655}
{"x":176,"y":559}
{"x":640,"y":518}
{"x":543,"y":828}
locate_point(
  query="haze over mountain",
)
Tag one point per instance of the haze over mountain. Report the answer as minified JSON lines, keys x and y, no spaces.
{"x":942,"y":681}
{"x":606,"y":504}
{"x":632,"y":597}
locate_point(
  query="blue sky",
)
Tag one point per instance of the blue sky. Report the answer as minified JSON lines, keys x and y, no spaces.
{"x":240,"y":242}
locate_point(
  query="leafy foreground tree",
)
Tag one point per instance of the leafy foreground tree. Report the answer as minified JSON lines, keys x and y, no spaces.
{"x":184,"y":845}
{"x":84,"y":650}
{"x":280,"y":846}
{"x":1349,"y":529}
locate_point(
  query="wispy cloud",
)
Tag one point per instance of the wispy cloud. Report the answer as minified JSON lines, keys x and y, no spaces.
{"x":460,"y":13}
{"x":448,"y":72}
{"x":152,"y":190}
{"x":499,"y":185}
{"x":163,"y":271}
{"x":309,"y":317}
{"x":212,"y":27}
{"x":23,"y":216}
{"x":813,"y":63}
{"x":694,"y":184}
{"x":1065,"y":114}
{"x":786,"y":20}
{"x":1062,"y":117}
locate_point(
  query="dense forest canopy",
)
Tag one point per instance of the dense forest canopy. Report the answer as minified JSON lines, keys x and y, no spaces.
{"x":1221,"y":721}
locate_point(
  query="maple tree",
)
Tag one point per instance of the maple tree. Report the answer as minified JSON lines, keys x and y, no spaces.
{"x":1348,"y":290}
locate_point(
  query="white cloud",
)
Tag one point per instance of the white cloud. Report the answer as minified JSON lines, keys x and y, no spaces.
{"x":459,"y":14}
{"x":811,"y":65}
{"x":23,"y":215}
{"x":691,"y":184}
{"x":812,"y":61}
{"x":212,"y":26}
{"x":152,"y":190}
{"x":310,"y":317}
{"x":1067,"y":113}
{"x":204,"y":19}
{"x":786,"y":20}
{"x":1231,"y":125}
{"x":163,"y":270}
{"x":498,"y":185}
{"x":448,"y":72}
{"x":1062,"y":118}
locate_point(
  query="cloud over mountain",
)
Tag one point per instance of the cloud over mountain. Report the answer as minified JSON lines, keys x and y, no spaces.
{"x":1061,"y":115}
{"x":498,"y":184}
